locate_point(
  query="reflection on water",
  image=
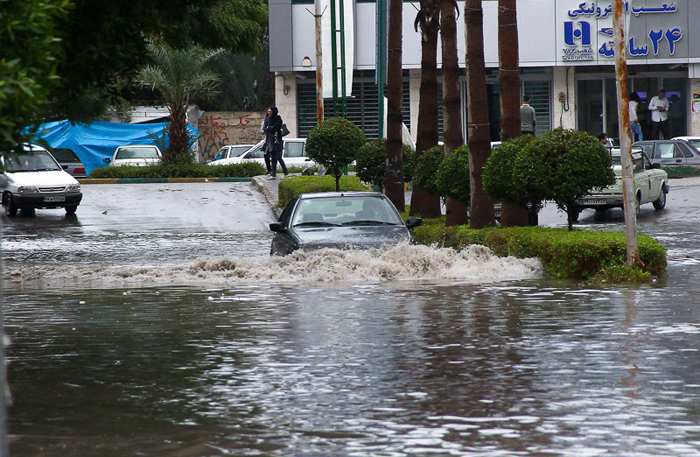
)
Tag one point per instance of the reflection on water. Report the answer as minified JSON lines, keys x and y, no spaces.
{"x":388,"y":369}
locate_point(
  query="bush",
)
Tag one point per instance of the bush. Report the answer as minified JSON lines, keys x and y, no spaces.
{"x":291,"y":187}
{"x":334,"y":143}
{"x":427,"y":165}
{"x":371,"y":163}
{"x":499,"y":177}
{"x":184,"y":170}
{"x":453,"y":175}
{"x":579,"y":254}
{"x":563,"y":165}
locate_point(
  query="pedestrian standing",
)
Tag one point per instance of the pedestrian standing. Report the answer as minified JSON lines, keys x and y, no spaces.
{"x":659,"y":115}
{"x":274,"y":144}
{"x":635,"y":127}
{"x":527,"y":117}
{"x":266,"y":154}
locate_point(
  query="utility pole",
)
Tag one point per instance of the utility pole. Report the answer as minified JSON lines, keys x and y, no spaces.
{"x":628,"y":186}
{"x":319,"y":63}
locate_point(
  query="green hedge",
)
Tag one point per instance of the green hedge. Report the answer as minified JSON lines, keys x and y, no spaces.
{"x":197,"y":170}
{"x":578,"y":254}
{"x":291,"y":187}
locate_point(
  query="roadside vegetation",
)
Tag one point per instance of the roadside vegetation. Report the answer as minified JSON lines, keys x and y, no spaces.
{"x":181,"y":170}
{"x":291,"y":187}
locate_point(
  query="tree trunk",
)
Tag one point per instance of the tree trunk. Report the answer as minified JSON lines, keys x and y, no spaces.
{"x":178,"y":135}
{"x":394,"y":155}
{"x":422,"y":203}
{"x":482,"y":214}
{"x":456,"y":210}
{"x":509,"y":89}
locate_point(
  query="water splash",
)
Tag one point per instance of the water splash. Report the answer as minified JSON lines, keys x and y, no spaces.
{"x":404,"y":262}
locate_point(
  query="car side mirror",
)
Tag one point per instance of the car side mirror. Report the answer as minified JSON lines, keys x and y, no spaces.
{"x":107,"y":160}
{"x":414,"y":222}
{"x":277,"y":227}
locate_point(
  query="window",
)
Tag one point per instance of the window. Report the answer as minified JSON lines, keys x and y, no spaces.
{"x":294,"y":149}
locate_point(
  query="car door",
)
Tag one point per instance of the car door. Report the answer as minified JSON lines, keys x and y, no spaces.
{"x":668,"y":153}
{"x":641,"y":176}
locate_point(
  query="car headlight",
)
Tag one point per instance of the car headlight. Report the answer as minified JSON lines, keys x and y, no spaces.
{"x":27,"y":190}
{"x":74,"y":188}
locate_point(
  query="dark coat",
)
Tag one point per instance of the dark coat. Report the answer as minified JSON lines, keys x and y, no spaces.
{"x":273,"y":132}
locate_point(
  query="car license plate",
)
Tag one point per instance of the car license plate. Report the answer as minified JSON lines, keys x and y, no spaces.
{"x":595,"y":201}
{"x":55,"y":199}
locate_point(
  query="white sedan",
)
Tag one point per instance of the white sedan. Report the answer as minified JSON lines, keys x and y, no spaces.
{"x":294,"y":155}
{"x":33,"y":179}
{"x":135,"y":155}
{"x":228,"y":152}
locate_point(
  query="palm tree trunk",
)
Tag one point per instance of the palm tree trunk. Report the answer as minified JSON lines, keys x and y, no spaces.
{"x":178,"y":135}
{"x":509,"y":88}
{"x":394,"y":156}
{"x":422,"y":202}
{"x":482,"y":214}
{"x":456,"y":211}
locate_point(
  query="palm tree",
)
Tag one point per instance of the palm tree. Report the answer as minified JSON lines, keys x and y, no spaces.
{"x":428,"y":23}
{"x":509,"y":88}
{"x":180,"y":75}
{"x":394,"y":155}
{"x":456,"y":211}
{"x":482,"y":214}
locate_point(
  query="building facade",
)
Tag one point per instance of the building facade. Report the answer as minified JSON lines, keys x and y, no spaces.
{"x":566,"y":58}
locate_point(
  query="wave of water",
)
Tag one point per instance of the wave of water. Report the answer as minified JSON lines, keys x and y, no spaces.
{"x":404,"y":262}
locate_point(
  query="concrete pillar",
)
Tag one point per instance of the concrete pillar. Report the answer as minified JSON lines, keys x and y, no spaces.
{"x":694,"y":75}
{"x":286,"y":100}
{"x":564,"y":88}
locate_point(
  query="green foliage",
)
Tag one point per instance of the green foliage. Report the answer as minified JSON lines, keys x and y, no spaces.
{"x":291,"y":187}
{"x":29,"y":54}
{"x":498,"y":177}
{"x":184,"y":170}
{"x":107,"y":43}
{"x":453,"y":175}
{"x":427,"y":165}
{"x":335,"y":143}
{"x":371,"y":162}
{"x":579,"y":254}
{"x":563,"y":165}
{"x":616,"y":274}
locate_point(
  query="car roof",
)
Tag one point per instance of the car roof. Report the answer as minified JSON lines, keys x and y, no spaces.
{"x":341,"y":194}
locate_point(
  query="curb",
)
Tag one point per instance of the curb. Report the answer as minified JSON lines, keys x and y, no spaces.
{"x":157,"y":180}
{"x":259,"y":184}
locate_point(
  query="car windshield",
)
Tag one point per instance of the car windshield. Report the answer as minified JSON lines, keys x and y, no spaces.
{"x":137,"y":153}
{"x":345,"y":210}
{"x":237,"y":151}
{"x":617,"y":160}
{"x":31,"y":161}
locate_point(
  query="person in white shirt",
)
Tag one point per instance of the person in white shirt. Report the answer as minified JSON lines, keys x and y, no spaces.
{"x":635,"y":127}
{"x":658,"y":106}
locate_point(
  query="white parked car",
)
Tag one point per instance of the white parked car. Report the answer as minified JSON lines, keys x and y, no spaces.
{"x":294,"y":155}
{"x":135,"y":155}
{"x":230,"y":151}
{"x":33,"y":180}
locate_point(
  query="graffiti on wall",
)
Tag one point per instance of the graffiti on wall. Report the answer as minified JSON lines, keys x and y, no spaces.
{"x":219,"y":129}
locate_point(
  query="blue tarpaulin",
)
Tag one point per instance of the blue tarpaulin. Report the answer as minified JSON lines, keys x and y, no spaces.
{"x":95,"y":141}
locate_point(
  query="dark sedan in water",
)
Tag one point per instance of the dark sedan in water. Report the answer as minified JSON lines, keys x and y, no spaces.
{"x":341,"y":220}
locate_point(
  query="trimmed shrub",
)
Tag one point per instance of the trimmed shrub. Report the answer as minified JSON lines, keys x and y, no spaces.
{"x":427,"y":165}
{"x":291,"y":187}
{"x":183,"y":170}
{"x":334,"y":143}
{"x":371,"y":163}
{"x":579,"y":254}
{"x":499,"y":178}
{"x":563,"y":165}
{"x":453,"y":175}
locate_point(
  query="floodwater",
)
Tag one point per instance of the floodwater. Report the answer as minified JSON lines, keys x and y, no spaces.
{"x":179,"y":336}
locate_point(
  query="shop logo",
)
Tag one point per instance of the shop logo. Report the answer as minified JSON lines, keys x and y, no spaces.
{"x":579,"y":35}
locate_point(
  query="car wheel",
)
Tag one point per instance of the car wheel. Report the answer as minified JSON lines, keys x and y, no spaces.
{"x":10,"y":207}
{"x":660,"y":202}
{"x":637,"y":204}
{"x":71,"y":209}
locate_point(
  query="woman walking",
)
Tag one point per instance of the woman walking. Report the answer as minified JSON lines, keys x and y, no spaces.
{"x":274,"y":144}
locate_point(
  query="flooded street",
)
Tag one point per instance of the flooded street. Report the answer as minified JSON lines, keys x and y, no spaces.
{"x":156,"y":324}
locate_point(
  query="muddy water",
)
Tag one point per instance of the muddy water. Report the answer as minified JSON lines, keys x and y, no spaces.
{"x":414,"y":352}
